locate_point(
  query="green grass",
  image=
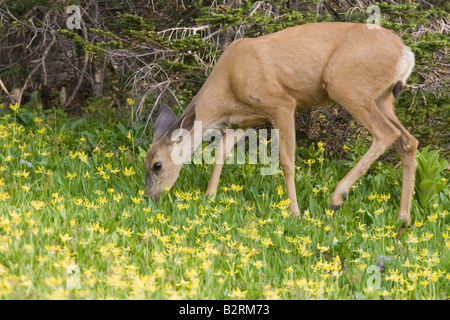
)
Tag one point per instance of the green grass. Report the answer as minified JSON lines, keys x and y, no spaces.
{"x":74,"y":225}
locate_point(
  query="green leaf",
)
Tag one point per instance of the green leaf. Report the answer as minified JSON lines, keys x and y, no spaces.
{"x":425,"y":192}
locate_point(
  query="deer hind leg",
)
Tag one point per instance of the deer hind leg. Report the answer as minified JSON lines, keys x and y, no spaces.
{"x":223,"y":148}
{"x":406,"y":147}
{"x":383,"y":132}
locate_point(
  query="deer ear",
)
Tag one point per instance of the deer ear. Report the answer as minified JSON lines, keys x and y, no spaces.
{"x":164,"y":122}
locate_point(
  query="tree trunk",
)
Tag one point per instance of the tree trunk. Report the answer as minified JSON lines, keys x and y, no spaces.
{"x":62,"y":82}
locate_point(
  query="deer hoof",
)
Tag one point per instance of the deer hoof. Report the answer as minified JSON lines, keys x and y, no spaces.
{"x":401,"y":229}
{"x":335,"y":207}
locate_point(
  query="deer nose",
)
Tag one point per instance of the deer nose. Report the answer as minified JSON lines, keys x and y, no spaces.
{"x":147,"y":195}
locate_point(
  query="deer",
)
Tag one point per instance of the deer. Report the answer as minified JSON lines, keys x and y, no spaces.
{"x":269,"y":78}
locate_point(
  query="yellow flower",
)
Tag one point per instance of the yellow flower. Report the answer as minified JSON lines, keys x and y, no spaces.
{"x":65,"y":237}
{"x":70,"y":176}
{"x":181,"y":206}
{"x":38,"y":205}
{"x":236,"y":188}
{"x":266,"y":242}
{"x":43,"y":153}
{"x":289,"y":270}
{"x":4,"y":196}
{"x":130,"y":101}
{"x":322,"y":248}
{"x":82,"y":156}
{"x":206,"y":265}
{"x":126,"y":233}
{"x":118,"y":197}
{"x":191,"y":273}
{"x":14,"y":107}
{"x":280,"y":190}
{"x":146,"y":210}
{"x":41,"y":259}
{"x":286,"y":250}
{"x":432,"y":217}
{"x":126,"y":214}
{"x":329,"y":212}
{"x":270,"y":294}
{"x":237,"y":293}
{"x":136,"y":200}
{"x":423,"y":282}
{"x":129,"y":171}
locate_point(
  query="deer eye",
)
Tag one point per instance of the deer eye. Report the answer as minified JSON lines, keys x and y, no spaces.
{"x":157,"y":166}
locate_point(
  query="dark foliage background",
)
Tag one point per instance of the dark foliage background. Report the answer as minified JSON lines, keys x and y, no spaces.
{"x":161,"y":52}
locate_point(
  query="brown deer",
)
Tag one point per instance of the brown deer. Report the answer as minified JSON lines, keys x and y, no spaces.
{"x":270,"y":77}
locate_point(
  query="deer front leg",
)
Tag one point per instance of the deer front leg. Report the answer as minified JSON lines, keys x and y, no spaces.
{"x":223,"y":148}
{"x":286,"y":137}
{"x":407,"y":156}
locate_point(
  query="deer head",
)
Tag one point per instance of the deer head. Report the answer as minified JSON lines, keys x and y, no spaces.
{"x":162,"y":169}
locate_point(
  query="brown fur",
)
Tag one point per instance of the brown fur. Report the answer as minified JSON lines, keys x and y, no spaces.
{"x":268,"y":78}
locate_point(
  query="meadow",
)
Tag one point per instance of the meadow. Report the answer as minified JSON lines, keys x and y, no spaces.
{"x":74,"y":223}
